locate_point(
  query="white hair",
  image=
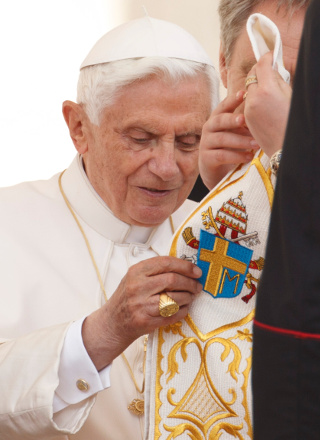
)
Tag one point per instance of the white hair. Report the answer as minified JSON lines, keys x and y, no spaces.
{"x":99,"y":85}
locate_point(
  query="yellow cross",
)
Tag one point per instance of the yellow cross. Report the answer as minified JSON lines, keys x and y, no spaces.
{"x":219,"y":260}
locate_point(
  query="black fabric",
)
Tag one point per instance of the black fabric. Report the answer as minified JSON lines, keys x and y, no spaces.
{"x":286,"y":383}
{"x":286,"y":368}
{"x":199,"y":191}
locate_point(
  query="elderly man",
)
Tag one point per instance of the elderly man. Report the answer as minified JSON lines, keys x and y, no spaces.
{"x":200,"y":369}
{"x":81,"y":267}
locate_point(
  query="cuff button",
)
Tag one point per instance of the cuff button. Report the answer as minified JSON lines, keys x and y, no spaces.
{"x":82,"y":385}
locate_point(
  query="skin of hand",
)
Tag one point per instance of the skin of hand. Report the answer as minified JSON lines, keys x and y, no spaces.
{"x":267,"y":106}
{"x":225,"y":141}
{"x":133,"y":309}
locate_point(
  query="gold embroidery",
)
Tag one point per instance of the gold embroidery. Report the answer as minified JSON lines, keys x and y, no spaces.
{"x":202,"y":405}
{"x":158,"y":389}
{"x":260,"y":263}
{"x":227,"y":184}
{"x":201,"y":420}
{"x":230,"y":224}
{"x":244,"y":335}
{"x":265,"y":178}
{"x":175,"y":329}
{"x":247,"y":417}
{"x":208,"y":221}
{"x":172,"y":363}
{"x":218,"y":259}
{"x":226,"y":274}
{"x":204,"y":337}
{"x":249,"y":280}
{"x":187,"y":235}
{"x":214,"y":434}
{"x":204,"y":412}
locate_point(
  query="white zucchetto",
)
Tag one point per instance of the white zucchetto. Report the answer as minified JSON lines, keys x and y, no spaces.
{"x":146,"y":37}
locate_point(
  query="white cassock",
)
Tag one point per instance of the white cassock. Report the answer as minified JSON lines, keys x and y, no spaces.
{"x":198,"y":379}
{"x":47,"y":281}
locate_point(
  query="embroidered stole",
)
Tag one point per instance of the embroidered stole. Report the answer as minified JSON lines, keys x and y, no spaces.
{"x":198,"y":370}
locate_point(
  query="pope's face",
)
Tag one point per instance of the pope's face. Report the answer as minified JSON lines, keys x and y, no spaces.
{"x":242,"y":59}
{"x":143,"y":158}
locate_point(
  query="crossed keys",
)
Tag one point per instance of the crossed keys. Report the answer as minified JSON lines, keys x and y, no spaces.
{"x":250,"y":240}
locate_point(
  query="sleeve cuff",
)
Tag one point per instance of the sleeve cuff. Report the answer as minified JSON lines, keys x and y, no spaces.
{"x":78,"y":377}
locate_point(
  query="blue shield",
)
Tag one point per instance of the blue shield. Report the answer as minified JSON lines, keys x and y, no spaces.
{"x":224,"y":265}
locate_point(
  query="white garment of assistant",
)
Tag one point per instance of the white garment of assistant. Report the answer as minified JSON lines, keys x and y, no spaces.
{"x":47,"y":282}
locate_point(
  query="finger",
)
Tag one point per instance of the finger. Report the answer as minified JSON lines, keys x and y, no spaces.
{"x":183,"y":299}
{"x":251,"y":80}
{"x":228,"y":156}
{"x":264,"y":70}
{"x":169,"y":282}
{"x":223,"y":122}
{"x":173,"y":282}
{"x":160,"y":265}
{"x":145,"y":280}
{"x":229,"y":104}
{"x":267,"y":75}
{"x":227,"y":140}
{"x":141,"y":314}
{"x":159,"y":321}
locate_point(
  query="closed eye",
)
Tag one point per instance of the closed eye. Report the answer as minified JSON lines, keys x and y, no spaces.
{"x":188,"y":142}
{"x":140,"y":140}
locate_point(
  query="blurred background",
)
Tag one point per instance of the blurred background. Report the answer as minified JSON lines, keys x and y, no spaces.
{"x":42,"y":46}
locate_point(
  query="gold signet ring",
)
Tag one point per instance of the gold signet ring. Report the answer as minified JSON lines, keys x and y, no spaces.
{"x":251,"y":80}
{"x":167,"y":305}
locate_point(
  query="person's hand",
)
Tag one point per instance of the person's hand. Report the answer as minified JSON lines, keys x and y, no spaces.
{"x":133,"y":309}
{"x":225,"y":141}
{"x":267,"y":106}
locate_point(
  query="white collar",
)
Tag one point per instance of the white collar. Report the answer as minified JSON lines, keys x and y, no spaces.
{"x":89,"y":206}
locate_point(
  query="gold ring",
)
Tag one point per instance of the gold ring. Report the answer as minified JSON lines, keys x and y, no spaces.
{"x":167,"y":305}
{"x":245,"y":95}
{"x":251,"y":80}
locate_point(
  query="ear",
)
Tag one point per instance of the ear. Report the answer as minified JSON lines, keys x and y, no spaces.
{"x":76,"y":120}
{"x":223,"y":67}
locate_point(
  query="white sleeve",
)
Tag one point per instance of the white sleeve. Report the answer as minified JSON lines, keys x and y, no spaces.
{"x":29,"y":377}
{"x":78,"y":377}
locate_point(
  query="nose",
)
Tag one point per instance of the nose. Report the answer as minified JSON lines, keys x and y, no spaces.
{"x":163,"y":162}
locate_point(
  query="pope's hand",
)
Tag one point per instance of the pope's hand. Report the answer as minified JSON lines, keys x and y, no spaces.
{"x":225,"y":141}
{"x":133,"y":309}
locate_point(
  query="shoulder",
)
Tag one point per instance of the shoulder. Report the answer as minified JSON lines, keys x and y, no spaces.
{"x":25,"y":198}
{"x":32,"y":187}
{"x":184,"y":211}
